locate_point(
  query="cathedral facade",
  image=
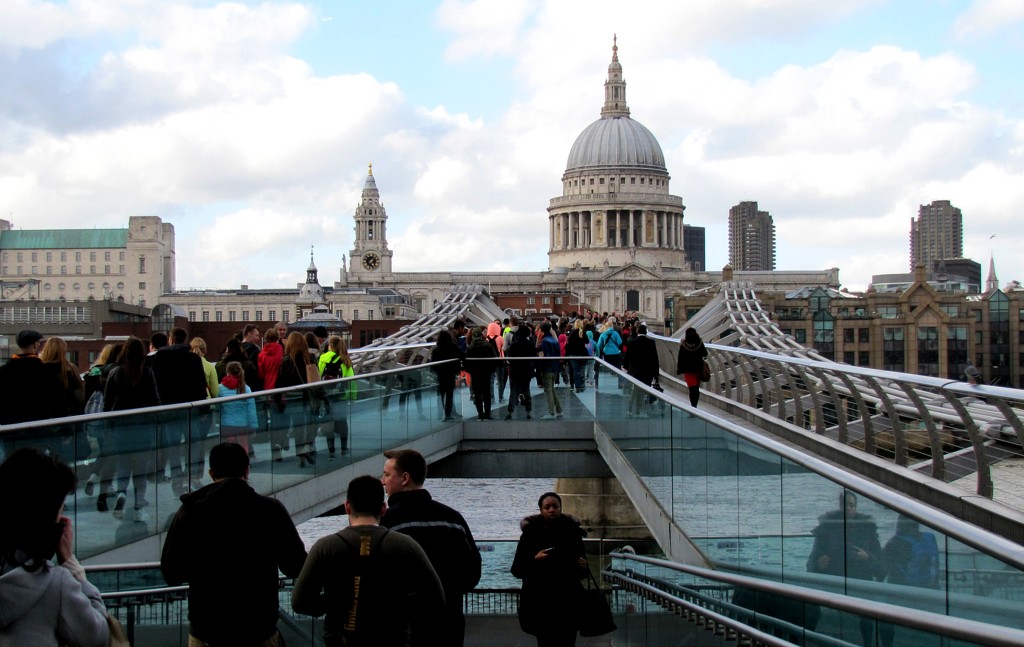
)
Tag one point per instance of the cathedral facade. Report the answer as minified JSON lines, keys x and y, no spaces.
{"x":615,"y":243}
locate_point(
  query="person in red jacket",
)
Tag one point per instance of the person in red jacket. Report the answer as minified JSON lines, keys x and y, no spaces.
{"x":268,"y":364}
{"x":269,"y":360}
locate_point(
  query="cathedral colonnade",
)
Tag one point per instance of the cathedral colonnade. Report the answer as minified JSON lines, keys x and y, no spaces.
{"x":615,"y":228}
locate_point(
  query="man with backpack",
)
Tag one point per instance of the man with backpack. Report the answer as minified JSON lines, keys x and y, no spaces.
{"x":367,"y":580}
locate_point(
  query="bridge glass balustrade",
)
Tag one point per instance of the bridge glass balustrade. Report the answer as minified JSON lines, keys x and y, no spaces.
{"x":942,"y":428}
{"x":751,"y":505}
{"x":153,"y":455}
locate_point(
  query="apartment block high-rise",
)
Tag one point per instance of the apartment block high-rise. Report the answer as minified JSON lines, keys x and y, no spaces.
{"x":751,"y":238}
{"x":936,"y":234}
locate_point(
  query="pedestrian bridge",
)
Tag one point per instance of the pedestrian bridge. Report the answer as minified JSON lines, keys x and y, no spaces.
{"x":729,"y":491}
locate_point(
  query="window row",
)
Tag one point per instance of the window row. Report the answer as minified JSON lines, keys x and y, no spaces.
{"x":63,"y":256}
{"x":622,"y":180}
{"x":34,"y":270}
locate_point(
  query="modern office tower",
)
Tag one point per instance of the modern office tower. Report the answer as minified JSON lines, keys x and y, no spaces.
{"x":694,"y":246}
{"x":751,"y":239}
{"x":936,"y":234}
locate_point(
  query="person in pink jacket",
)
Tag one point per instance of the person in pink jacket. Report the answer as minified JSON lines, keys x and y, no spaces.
{"x":494,"y":335}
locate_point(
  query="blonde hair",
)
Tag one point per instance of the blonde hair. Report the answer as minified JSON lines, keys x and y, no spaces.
{"x":105,"y":354}
{"x":200,"y":344}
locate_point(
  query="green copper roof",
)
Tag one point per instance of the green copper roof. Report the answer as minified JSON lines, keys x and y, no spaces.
{"x":63,"y":238}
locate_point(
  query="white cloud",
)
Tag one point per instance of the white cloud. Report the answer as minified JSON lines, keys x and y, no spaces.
{"x":985,"y":17}
{"x":482,"y":27}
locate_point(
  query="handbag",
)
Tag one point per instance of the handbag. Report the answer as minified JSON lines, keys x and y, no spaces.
{"x":706,"y":374}
{"x":595,"y":616}
{"x":312,"y":373}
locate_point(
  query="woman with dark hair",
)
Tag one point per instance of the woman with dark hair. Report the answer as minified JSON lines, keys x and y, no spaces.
{"x":691,"y":363}
{"x":446,"y":370}
{"x":480,"y":371}
{"x":576,"y":346}
{"x":132,"y":385}
{"x":293,"y":373}
{"x":314,"y":346}
{"x":234,"y":352}
{"x":551,"y":562}
{"x":42,"y":603}
{"x":520,"y":370}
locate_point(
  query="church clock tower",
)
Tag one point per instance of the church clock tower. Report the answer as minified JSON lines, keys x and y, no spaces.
{"x":370,"y":254}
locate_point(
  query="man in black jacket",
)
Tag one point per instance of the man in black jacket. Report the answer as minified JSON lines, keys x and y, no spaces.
{"x":180,"y":378}
{"x":228,"y":543}
{"x":443,"y":534}
{"x":641,"y":362}
{"x":251,"y":346}
{"x":28,"y":389}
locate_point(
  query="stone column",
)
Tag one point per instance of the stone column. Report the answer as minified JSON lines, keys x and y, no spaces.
{"x":602,"y":507}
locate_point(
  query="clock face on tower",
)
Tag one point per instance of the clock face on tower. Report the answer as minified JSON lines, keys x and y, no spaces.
{"x":371,"y":261}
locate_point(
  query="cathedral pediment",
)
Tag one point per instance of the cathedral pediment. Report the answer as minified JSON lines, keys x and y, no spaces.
{"x":632,"y":272}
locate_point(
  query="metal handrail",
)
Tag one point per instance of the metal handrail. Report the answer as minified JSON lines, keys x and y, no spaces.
{"x":201,"y":404}
{"x":948,"y":626}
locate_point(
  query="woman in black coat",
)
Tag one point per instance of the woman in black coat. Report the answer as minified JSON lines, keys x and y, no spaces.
{"x":131,"y":385}
{"x":446,"y":372}
{"x":691,"y":363}
{"x":550,"y":561}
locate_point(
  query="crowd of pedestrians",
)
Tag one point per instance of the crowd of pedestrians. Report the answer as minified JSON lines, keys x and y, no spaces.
{"x":557,"y":353}
{"x":127,"y":453}
{"x":498,"y":359}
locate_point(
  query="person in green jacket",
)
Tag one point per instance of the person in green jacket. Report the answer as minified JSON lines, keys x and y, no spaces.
{"x":335,"y":364}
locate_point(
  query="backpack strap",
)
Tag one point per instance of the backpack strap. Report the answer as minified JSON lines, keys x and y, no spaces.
{"x":360,"y":565}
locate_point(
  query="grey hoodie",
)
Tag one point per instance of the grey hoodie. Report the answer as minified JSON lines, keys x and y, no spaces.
{"x":50,"y":606}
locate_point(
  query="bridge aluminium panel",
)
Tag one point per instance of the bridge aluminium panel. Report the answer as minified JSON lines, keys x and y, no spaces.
{"x":411,"y":345}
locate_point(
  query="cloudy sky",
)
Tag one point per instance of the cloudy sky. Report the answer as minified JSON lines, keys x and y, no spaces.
{"x":249,"y":126}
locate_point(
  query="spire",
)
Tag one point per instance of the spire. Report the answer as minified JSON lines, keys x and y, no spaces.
{"x":615,"y":87}
{"x":311,"y":271}
{"x":992,"y":284}
{"x":370,"y":193}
